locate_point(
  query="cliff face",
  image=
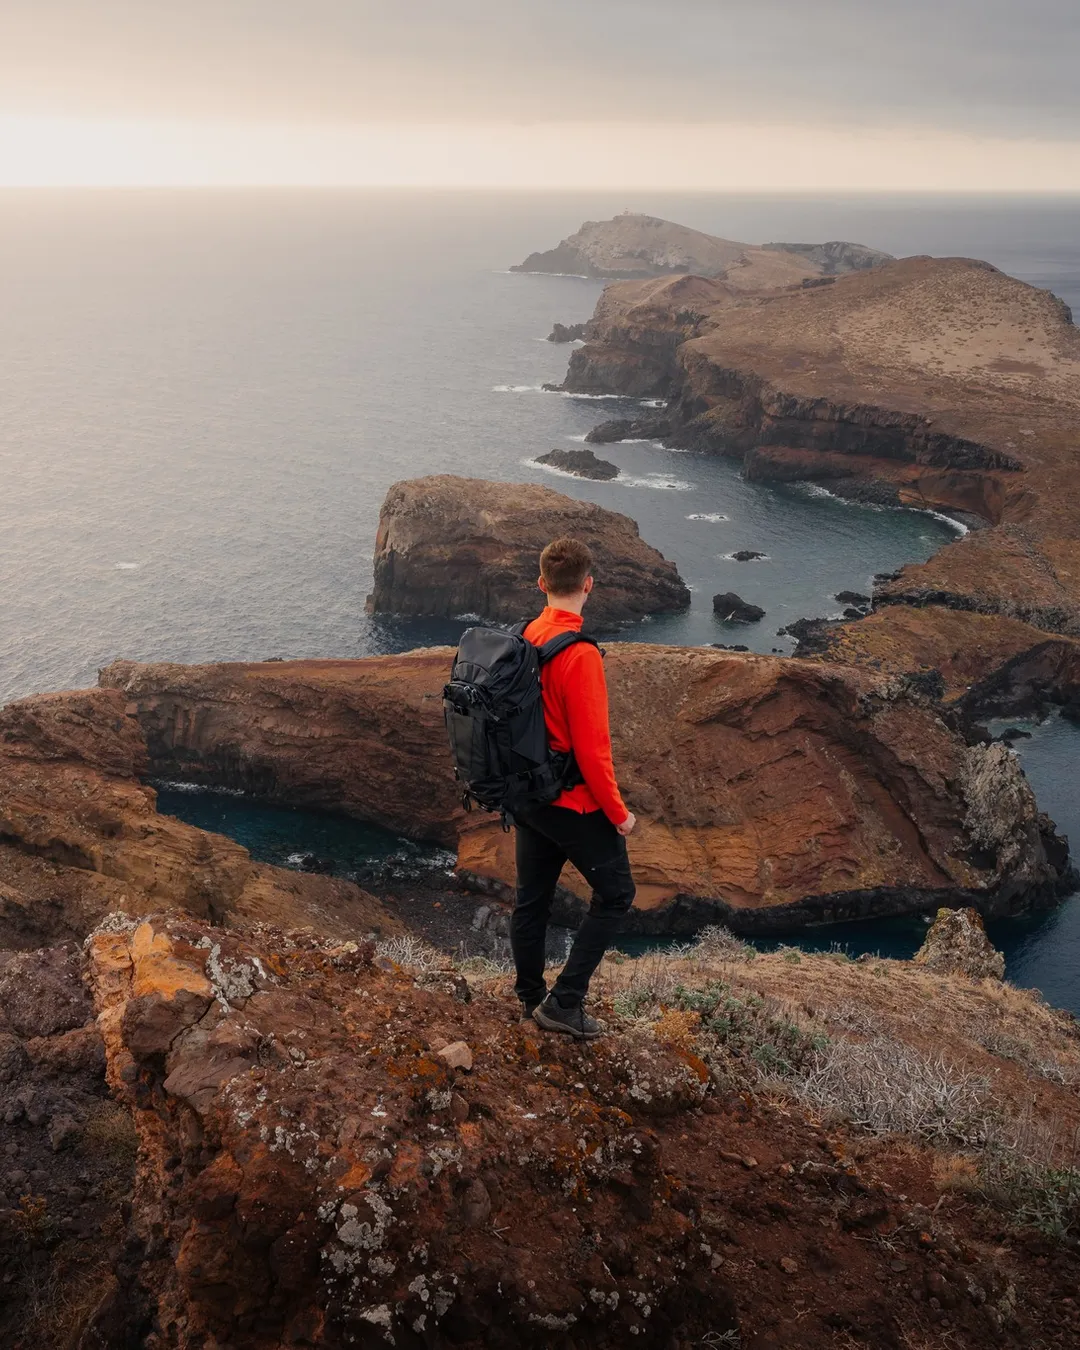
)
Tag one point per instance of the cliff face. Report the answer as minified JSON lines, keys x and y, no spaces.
{"x":937,"y":383}
{"x":633,"y":245}
{"x":451,"y":546}
{"x":771,"y":793}
{"x":80,"y":835}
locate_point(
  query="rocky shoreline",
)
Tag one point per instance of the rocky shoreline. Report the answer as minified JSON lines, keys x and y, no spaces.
{"x":940,"y":384}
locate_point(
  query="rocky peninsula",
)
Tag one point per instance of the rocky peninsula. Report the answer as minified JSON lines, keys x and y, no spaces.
{"x":937,"y":383}
{"x":451,"y":546}
{"x":634,"y":245}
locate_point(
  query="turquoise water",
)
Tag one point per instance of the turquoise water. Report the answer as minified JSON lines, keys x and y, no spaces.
{"x":306,"y":840}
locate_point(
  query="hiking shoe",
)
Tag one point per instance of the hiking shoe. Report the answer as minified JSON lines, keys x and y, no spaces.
{"x":571,"y":1019}
{"x":528,"y":1009}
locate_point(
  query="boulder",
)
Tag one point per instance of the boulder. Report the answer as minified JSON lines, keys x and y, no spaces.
{"x":747,"y":555}
{"x":731,"y":608}
{"x":851,"y":598}
{"x":957,"y":945}
{"x":451,"y":546}
{"x":770,"y":792}
{"x":581,"y":463}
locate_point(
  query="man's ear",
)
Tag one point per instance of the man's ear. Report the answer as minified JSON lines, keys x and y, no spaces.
{"x":588,"y":585}
{"x":542,"y":584}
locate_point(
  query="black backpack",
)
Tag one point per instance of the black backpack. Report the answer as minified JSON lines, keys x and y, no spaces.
{"x":495,"y":721}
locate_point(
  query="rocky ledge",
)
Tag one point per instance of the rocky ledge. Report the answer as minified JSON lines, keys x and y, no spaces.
{"x":281,"y":1139}
{"x":772,"y":793}
{"x":934,"y":383}
{"x":455,"y":546}
{"x":633,"y":245}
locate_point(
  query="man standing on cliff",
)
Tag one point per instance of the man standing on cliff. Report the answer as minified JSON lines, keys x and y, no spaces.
{"x":587,"y":824}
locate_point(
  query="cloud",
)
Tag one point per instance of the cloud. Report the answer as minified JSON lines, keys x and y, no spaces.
{"x":989,"y":67}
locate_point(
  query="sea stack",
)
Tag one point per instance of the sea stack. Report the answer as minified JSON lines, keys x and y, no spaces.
{"x":451,"y":546}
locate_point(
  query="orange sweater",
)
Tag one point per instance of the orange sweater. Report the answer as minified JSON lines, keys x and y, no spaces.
{"x":576,"y":714}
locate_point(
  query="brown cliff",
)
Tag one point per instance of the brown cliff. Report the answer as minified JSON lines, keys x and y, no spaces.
{"x":935,"y":383}
{"x":771,"y":793}
{"x":80,"y":836}
{"x":452,"y":546}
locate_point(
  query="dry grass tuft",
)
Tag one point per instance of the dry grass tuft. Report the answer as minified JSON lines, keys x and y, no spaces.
{"x":887,"y":1087}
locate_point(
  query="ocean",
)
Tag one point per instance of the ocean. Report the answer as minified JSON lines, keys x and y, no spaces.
{"x":205,"y":396}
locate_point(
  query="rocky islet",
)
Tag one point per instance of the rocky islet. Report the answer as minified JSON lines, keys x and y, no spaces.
{"x":457,"y":546}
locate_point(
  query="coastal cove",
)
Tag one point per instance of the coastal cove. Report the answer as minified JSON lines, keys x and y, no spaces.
{"x":227,"y":411}
{"x":1041,"y":950}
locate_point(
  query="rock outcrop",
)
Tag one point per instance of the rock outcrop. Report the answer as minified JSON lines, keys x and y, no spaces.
{"x":633,"y":245}
{"x":464,"y":546}
{"x":771,"y":792}
{"x":957,"y":945}
{"x":567,"y":332}
{"x":313,"y":1170}
{"x":308,"y":1143}
{"x":581,"y":463}
{"x":837,"y":256}
{"x":732,"y":608}
{"x":80,"y":836}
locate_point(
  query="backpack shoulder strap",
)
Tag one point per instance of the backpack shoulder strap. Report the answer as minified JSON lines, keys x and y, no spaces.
{"x":559,"y":643}
{"x":518,"y":629}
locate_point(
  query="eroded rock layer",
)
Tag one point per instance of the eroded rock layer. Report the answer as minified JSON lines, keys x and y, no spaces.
{"x":450,"y":546}
{"x":771,"y":793}
{"x":80,"y":836}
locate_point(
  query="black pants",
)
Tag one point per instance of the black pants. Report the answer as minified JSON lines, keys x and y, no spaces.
{"x":547,"y":838}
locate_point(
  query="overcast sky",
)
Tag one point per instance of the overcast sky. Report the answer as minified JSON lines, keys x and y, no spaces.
{"x":991,"y":70}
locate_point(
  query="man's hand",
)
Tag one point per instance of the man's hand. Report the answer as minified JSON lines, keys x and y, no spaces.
{"x":627,"y":827}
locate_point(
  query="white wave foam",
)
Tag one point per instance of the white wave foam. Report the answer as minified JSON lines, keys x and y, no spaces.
{"x":816,"y":490}
{"x":516,"y":389}
{"x":659,"y":480}
{"x":126,"y":567}
{"x":175,"y":785}
{"x":713,"y":516}
{"x":957,"y":525}
{"x":662,"y":481}
{"x":582,"y":438}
